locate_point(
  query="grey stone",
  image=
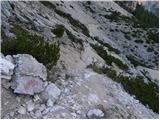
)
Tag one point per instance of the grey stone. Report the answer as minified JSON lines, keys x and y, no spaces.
{"x":27,"y":65}
{"x":11,"y":114}
{"x":95,"y":113}
{"x":49,"y":103}
{"x":6,"y":68}
{"x":28,"y":85}
{"x":29,"y":75}
{"x":22,"y":110}
{"x":38,"y":113}
{"x":30,"y":106}
{"x":51,"y":92}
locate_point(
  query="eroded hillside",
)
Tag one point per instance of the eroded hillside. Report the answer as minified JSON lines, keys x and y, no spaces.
{"x":101,"y":61}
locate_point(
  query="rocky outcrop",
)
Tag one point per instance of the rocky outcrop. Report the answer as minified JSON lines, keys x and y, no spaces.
{"x":29,"y":75}
{"x":7,"y":68}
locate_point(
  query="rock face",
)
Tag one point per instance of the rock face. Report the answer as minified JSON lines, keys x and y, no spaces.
{"x":6,"y":68}
{"x":95,"y":113}
{"x":51,"y":93}
{"x":29,"y":75}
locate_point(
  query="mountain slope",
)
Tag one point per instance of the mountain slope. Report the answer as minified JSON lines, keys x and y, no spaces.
{"x":101,"y":36}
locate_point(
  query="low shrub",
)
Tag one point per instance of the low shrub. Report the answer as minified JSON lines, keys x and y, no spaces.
{"x":110,"y":48}
{"x":127,"y":36}
{"x":26,"y":43}
{"x":108,"y":58}
{"x":138,"y":41}
{"x":48,"y":4}
{"x":135,"y":62}
{"x":153,"y":37}
{"x":58,"y":30}
{"x":150,"y":49}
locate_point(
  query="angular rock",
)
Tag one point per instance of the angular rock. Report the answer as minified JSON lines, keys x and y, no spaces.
{"x":6,"y":68}
{"x":30,"y":106}
{"x":27,"y":65}
{"x":29,"y":75}
{"x":51,"y":92}
{"x":49,"y":103}
{"x":22,"y":110}
{"x":95,"y":113}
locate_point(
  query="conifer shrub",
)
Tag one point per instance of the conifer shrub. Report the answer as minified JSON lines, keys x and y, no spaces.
{"x":26,"y":43}
{"x":139,"y":41}
{"x":110,"y":48}
{"x":58,"y":30}
{"x":109,"y":58}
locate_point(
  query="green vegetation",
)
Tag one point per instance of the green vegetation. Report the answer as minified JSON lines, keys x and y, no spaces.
{"x":147,"y":93}
{"x":48,"y":4}
{"x":150,"y":49}
{"x":73,"y":38}
{"x":88,"y":7}
{"x":127,"y":36}
{"x":108,"y":58}
{"x":143,"y":18}
{"x":26,"y":43}
{"x":139,"y":41}
{"x":114,"y":16}
{"x":153,"y":37}
{"x":110,"y":48}
{"x":146,"y":18}
{"x":135,"y":62}
{"x":72,"y":21}
{"x":58,"y":30}
{"x":117,"y":16}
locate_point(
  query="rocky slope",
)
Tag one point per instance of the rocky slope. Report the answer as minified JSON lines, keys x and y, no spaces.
{"x":107,"y":66}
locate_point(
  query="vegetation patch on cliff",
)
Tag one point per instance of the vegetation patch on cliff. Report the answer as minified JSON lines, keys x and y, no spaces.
{"x":109,"y":59}
{"x":26,"y":43}
{"x":147,"y":93}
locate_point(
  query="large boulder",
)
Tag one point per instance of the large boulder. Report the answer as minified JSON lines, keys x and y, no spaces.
{"x":7,"y":68}
{"x":29,"y":75}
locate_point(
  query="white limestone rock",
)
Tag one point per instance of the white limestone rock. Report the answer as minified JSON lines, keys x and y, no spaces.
{"x":51,"y":92}
{"x":95,"y":113}
{"x":6,"y":68}
{"x":29,"y":75}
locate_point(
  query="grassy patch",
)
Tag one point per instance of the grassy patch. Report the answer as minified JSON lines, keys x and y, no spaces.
{"x":26,"y":43}
{"x":108,"y":58}
{"x":110,"y":48}
{"x":58,"y":30}
{"x":147,"y":93}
